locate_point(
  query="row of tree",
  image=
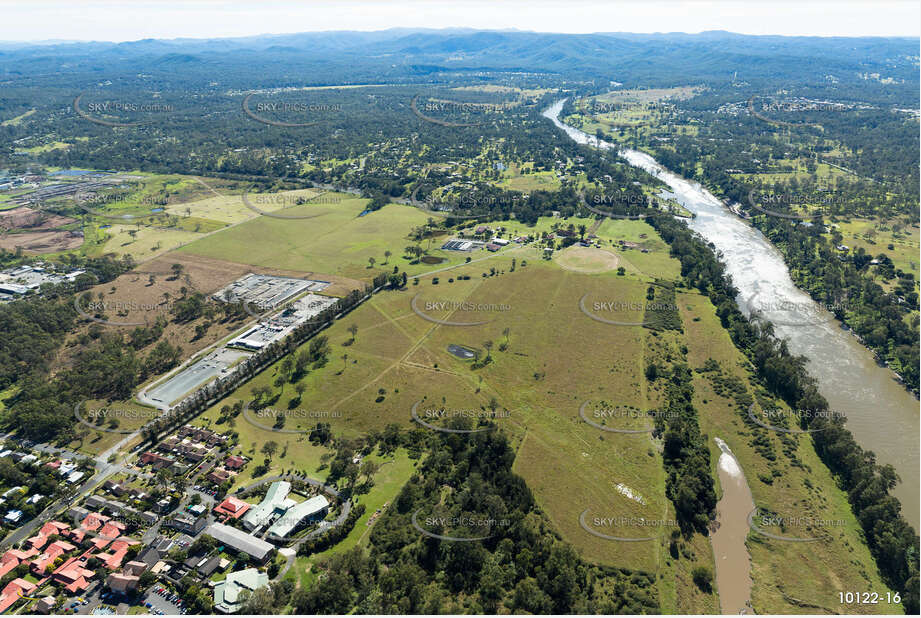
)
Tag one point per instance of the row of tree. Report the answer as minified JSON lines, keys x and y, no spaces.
{"x":892,"y":541}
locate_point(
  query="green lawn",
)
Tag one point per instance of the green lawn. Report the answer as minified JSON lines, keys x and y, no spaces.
{"x":338,"y":242}
{"x":395,"y":470}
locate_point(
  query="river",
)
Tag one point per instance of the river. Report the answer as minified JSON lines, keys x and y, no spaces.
{"x":733,"y":564}
{"x":881,"y":414}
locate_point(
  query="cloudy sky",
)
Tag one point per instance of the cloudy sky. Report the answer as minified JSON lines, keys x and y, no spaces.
{"x":108,"y":20}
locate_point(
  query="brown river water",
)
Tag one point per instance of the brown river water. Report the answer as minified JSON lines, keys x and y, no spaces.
{"x":733,"y":564}
{"x":881,"y":414}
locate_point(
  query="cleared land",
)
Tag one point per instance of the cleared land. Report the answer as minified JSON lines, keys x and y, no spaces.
{"x":398,"y":359}
{"x":586,"y":259}
{"x":36,"y":231}
{"x":340,"y":241}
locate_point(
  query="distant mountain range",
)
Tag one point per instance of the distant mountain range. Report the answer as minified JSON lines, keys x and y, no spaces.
{"x":337,"y":57}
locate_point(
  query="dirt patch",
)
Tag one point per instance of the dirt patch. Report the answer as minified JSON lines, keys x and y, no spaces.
{"x":26,"y":218}
{"x":432,"y":259}
{"x":42,"y":234}
{"x":212,"y":274}
{"x":586,"y":259}
{"x":135,"y":299}
{"x":42,"y":242}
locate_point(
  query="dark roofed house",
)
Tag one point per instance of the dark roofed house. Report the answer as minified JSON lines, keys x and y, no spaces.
{"x":158,"y":461}
{"x":218,"y":476}
{"x":162,"y":544}
{"x":234,"y":462}
{"x":150,"y":557}
{"x":186,"y":522}
{"x":210,"y":566}
{"x":493,"y":246}
{"x":96,"y":502}
{"x":202,"y":435}
{"x":169,"y":443}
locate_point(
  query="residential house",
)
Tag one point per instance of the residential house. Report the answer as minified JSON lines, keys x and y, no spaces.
{"x":48,"y":557}
{"x":48,"y":528}
{"x":13,"y":558}
{"x":45,"y":605}
{"x":119,"y":582}
{"x":74,"y":575}
{"x":187,"y":522}
{"x":232,"y":507}
{"x":234,"y":462}
{"x":218,"y":476}
{"x":14,"y":591}
{"x":157,"y":460}
{"x":117,"y":550}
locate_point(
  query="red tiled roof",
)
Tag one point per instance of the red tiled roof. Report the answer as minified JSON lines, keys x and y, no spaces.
{"x":234,"y":461}
{"x":93,"y":521}
{"x":232,"y":507}
{"x":13,"y":592}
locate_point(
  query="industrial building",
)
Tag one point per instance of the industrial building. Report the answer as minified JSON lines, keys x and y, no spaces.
{"x":240,"y":541}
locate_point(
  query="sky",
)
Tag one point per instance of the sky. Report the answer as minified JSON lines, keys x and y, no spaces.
{"x":107,"y":20}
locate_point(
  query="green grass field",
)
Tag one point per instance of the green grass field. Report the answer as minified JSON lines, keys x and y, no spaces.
{"x":127,"y":416}
{"x":399,"y":359}
{"x":338,"y":242}
{"x":547,"y":359}
{"x":815,"y":571}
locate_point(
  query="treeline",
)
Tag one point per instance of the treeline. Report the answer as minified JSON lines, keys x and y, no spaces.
{"x":882,"y":146}
{"x":219,"y":388}
{"x":878,"y":317}
{"x":892,"y":541}
{"x":686,"y":456}
{"x":522,"y":567}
